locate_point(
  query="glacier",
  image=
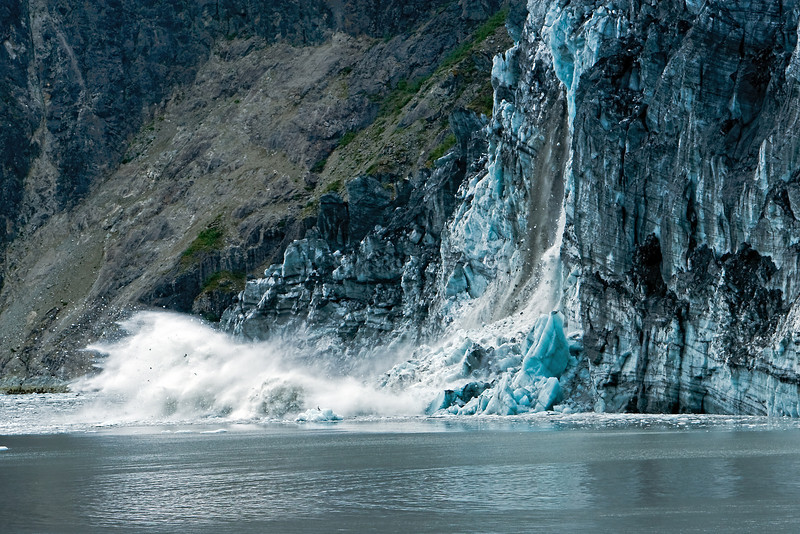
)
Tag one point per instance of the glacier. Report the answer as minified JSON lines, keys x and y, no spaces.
{"x":619,"y":236}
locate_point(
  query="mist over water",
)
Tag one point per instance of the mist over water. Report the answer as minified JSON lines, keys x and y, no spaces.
{"x":172,"y":367}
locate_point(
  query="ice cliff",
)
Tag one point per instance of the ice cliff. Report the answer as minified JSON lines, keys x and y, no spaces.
{"x":680,"y":227}
{"x":619,"y":236}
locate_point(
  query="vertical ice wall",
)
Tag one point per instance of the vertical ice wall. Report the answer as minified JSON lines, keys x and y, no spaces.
{"x":680,"y":230}
{"x":506,"y":350}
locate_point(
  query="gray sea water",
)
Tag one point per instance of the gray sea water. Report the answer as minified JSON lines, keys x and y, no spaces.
{"x":536,"y":474}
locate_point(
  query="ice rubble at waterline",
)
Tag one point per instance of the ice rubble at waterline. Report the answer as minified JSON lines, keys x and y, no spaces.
{"x":517,"y":364}
{"x":175,"y":368}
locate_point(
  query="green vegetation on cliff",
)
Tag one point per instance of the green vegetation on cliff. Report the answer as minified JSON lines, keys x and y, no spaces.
{"x":208,"y":240}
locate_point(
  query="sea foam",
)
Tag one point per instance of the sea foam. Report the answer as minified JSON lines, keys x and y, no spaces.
{"x":171,"y":367}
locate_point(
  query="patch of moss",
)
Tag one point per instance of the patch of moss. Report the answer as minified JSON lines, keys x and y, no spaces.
{"x":346,"y":139}
{"x":336,"y":186}
{"x":319,"y":166}
{"x":405,"y":90}
{"x":483,"y":103}
{"x":401,"y":95}
{"x":208,"y":240}
{"x":480,"y":35}
{"x":310,"y":209}
{"x":445,"y":146}
{"x":381,"y":167}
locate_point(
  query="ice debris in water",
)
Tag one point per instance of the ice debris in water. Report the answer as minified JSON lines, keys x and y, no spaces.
{"x":317,"y":416}
{"x":514,"y":376}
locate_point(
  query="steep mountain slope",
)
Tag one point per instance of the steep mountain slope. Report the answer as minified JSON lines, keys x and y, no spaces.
{"x":156,"y":153}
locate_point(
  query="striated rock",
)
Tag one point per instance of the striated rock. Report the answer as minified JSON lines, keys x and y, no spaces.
{"x":368,"y":200}
{"x":333,"y":220}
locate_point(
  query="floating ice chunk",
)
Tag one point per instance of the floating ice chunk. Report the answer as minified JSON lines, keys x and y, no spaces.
{"x":466,"y":395}
{"x":549,"y":395}
{"x":548,"y":355}
{"x":317,"y":416}
{"x":470,"y":408}
{"x":217,"y":431}
{"x":443,"y":399}
{"x":502,"y":400}
{"x":520,"y":393}
{"x":459,"y":353}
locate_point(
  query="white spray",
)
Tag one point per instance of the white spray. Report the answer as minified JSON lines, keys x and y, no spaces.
{"x":175,"y":368}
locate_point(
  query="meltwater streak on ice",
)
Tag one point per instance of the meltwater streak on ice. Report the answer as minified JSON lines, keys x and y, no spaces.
{"x":440,"y":365}
{"x":175,"y":368}
{"x":541,"y":292}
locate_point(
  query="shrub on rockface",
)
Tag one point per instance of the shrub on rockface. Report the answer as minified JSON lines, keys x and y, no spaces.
{"x":208,"y":240}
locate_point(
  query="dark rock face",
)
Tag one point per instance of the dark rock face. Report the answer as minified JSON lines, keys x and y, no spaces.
{"x":368,"y":201}
{"x":19,"y":116}
{"x":333,"y":220}
{"x":99,"y":67}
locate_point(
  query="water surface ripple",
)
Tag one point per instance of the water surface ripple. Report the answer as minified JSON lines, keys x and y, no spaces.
{"x":605,"y":474}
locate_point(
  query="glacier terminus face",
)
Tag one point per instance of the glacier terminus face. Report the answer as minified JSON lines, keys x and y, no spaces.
{"x":620,"y":234}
